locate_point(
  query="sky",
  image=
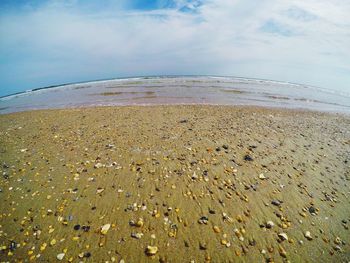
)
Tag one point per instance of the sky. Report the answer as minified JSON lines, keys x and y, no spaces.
{"x":51,"y":42}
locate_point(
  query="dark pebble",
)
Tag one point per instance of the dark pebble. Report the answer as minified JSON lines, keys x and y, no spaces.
{"x":276,"y":202}
{"x":225,"y":146}
{"x":312,"y":210}
{"x":211,"y":211}
{"x":86,"y":228}
{"x":87,"y":254}
{"x":76,"y":227}
{"x":248,"y":158}
{"x":13,"y":245}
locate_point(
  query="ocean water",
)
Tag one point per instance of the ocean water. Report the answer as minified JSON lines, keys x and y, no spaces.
{"x":179,"y":90}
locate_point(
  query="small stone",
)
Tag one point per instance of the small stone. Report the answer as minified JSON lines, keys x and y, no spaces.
{"x":151,"y":250}
{"x":248,"y":158}
{"x":60,"y":256}
{"x":276,"y":202}
{"x":99,"y":190}
{"x":137,"y":235}
{"x":76,"y":227}
{"x":216,"y":229}
{"x":270,"y":224}
{"x":262,"y":177}
{"x":337,"y":240}
{"x":98,"y":165}
{"x":43,"y":247}
{"x":105,"y":228}
{"x":203,"y":220}
{"x":85,"y":228}
{"x":337,"y":248}
{"x":203,"y":246}
{"x":139,"y":222}
{"x":307,"y":235}
{"x":282,"y":252}
{"x":312,"y":210}
{"x":283,"y":236}
{"x":211,"y":211}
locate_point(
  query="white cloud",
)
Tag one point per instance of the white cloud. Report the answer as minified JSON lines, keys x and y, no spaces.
{"x":308,"y":42}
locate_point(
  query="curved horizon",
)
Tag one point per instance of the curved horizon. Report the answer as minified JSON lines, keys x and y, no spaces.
{"x":165,"y":76}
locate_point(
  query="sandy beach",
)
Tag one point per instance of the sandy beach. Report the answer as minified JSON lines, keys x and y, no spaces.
{"x":174,"y":184}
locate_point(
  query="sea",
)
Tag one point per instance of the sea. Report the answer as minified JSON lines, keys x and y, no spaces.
{"x":164,"y":90}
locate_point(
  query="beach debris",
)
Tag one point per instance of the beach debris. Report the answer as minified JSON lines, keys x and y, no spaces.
{"x":307,"y":235}
{"x":98,"y":165}
{"x":276,"y":202}
{"x":53,"y":242}
{"x":216,"y":229}
{"x":203,"y":220}
{"x":105,"y":228}
{"x":262,"y":176}
{"x":151,"y":250}
{"x":60,"y":256}
{"x":283,"y":236}
{"x":136,"y":235}
{"x":99,"y":190}
{"x":203,"y":245}
{"x":248,"y":158}
{"x":270,"y":224}
{"x":312,"y":210}
{"x":282,"y":251}
{"x":85,"y":228}
{"x":337,"y":241}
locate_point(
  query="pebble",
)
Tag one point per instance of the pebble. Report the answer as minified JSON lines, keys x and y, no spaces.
{"x":137,"y":235}
{"x":216,"y":229}
{"x":282,"y":252}
{"x":262,"y":176}
{"x":307,"y":235}
{"x":139,"y":222}
{"x":85,"y":228}
{"x":98,"y":165}
{"x":337,"y":240}
{"x":99,"y":190}
{"x":270,"y":224}
{"x":203,"y":220}
{"x":276,"y":202}
{"x":203,"y":246}
{"x":248,"y":158}
{"x":151,"y":250}
{"x":60,"y":256}
{"x":105,"y":228}
{"x":312,"y":210}
{"x":283,"y":236}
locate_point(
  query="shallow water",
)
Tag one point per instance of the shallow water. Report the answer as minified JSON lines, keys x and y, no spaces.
{"x":179,"y":90}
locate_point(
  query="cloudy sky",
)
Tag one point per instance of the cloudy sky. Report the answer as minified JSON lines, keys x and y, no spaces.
{"x":47,"y":42}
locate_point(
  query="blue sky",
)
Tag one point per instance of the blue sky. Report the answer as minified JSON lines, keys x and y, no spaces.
{"x":50,"y":42}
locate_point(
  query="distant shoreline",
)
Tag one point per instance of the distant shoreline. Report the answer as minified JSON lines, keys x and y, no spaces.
{"x":155,"y":76}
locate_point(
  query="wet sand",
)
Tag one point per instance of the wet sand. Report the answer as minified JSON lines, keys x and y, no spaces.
{"x":174,"y":184}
